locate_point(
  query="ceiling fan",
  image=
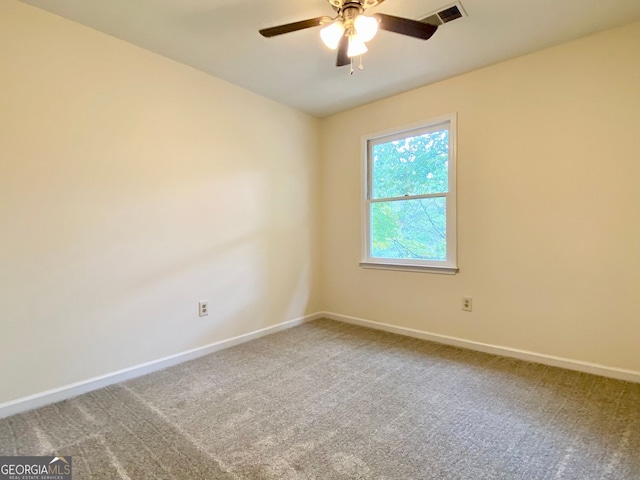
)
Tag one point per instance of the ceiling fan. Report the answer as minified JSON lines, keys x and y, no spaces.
{"x":351,"y":28}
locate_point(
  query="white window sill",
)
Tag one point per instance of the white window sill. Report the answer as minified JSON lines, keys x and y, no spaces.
{"x":410,"y":268}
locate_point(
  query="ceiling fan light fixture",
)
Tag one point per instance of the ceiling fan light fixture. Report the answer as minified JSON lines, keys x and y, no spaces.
{"x":332,"y":34}
{"x":366,"y":27}
{"x":356,"y":46}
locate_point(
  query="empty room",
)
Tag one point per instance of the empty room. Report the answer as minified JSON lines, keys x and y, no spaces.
{"x":325,"y":239}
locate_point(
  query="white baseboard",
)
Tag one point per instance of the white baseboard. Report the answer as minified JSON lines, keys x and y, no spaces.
{"x":68,"y":391}
{"x":577,"y":365}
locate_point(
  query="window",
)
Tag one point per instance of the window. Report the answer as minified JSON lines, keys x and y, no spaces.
{"x":410,"y":198}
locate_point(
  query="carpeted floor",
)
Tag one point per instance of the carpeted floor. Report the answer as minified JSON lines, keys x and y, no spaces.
{"x":332,"y":401}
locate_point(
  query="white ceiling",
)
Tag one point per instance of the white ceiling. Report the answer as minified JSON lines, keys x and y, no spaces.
{"x":221,"y":37}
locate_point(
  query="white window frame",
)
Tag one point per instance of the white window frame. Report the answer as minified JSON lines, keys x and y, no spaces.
{"x":448,"y":266}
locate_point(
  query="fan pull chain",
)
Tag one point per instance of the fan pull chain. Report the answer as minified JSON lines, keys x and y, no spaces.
{"x":360,"y":66}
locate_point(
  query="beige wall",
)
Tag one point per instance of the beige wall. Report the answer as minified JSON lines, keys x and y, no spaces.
{"x":548,"y":205}
{"x":131,"y":187}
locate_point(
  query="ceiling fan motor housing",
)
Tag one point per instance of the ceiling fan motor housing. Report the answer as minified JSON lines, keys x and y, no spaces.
{"x":338,"y":4}
{"x":349,"y":12}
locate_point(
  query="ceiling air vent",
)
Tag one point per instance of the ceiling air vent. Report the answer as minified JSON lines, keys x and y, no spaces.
{"x":445,"y":15}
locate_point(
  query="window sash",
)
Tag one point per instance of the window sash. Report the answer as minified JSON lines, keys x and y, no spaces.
{"x":423,"y":239}
{"x":371,"y":143}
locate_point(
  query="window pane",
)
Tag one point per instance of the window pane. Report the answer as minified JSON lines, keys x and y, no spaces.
{"x":409,"y":229}
{"x":414,"y":165}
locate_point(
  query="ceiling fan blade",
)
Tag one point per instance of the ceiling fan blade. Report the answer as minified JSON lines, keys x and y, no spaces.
{"x":405,"y":26}
{"x":292,"y":27}
{"x":343,"y":46}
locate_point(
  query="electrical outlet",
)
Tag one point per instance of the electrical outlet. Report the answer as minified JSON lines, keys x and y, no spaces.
{"x":203,"y":309}
{"x":467,"y":303}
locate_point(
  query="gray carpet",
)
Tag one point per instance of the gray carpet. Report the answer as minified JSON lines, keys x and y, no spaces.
{"x":332,"y":401}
